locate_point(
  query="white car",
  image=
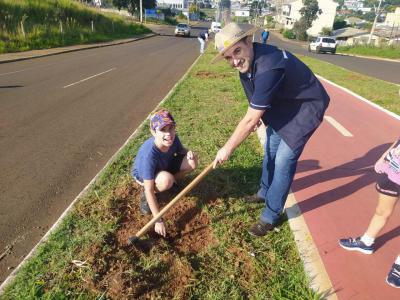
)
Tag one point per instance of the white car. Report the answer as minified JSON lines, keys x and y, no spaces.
{"x":323,"y":44}
{"x":182,"y":29}
{"x":215,"y":27}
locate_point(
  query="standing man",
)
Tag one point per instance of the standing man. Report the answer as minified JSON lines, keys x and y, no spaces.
{"x":203,"y":38}
{"x":290,"y":101}
{"x":264,"y":36}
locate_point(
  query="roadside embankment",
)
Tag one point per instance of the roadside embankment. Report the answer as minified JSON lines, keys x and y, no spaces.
{"x":46,"y":24}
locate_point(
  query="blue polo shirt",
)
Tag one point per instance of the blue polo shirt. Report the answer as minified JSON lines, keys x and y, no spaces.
{"x":150,"y":159}
{"x":293,"y":98}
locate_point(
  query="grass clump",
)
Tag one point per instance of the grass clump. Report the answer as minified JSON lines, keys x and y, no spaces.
{"x":206,"y":106}
{"x":392,"y":52}
{"x":41,"y":24}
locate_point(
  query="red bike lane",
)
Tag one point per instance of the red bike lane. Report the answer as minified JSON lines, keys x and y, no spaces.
{"x":335,"y":191}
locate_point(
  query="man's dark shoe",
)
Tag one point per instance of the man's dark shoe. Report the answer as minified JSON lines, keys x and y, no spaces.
{"x":144,"y":206}
{"x":260,"y":229}
{"x":253,"y":199}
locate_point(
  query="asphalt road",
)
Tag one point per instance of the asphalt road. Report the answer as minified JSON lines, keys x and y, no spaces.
{"x":61,"y":119}
{"x":385,"y":70}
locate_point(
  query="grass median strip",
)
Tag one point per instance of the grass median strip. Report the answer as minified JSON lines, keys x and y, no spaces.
{"x":392,"y":52}
{"x":383,"y":93}
{"x":208,"y":253}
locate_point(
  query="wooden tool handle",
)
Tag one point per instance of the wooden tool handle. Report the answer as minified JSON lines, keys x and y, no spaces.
{"x":187,"y":189}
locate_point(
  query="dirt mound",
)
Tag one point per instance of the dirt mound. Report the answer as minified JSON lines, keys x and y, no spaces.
{"x":155,"y":266}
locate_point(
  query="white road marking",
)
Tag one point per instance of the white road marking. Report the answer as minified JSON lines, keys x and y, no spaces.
{"x":19,"y":71}
{"x":80,"y":81}
{"x":338,"y":126}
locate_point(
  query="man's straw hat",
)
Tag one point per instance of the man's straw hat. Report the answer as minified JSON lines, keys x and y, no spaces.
{"x":229,"y":35}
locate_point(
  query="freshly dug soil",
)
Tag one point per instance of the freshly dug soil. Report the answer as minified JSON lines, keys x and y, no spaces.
{"x":155,"y":267}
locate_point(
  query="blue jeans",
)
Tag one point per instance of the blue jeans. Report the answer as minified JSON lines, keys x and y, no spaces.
{"x":279,"y":167}
{"x":202,"y":43}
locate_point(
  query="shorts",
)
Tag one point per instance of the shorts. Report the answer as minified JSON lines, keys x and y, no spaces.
{"x":387,"y":187}
{"x":173,"y":167}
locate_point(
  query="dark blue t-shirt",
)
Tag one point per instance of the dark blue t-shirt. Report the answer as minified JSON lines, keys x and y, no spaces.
{"x":293,"y":98}
{"x":203,"y":34}
{"x":150,"y":160}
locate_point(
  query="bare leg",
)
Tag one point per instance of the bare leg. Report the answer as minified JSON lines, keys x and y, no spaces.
{"x":187,"y":166}
{"x":383,"y":211}
{"x":164,"y":181}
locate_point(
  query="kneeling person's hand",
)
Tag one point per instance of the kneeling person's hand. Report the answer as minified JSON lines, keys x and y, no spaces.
{"x":159,"y":227}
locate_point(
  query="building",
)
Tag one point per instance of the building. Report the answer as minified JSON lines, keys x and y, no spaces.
{"x":354,"y":4}
{"x":354,"y":21}
{"x":173,"y":4}
{"x":345,"y":36}
{"x":291,"y":13}
{"x":393,"y":19}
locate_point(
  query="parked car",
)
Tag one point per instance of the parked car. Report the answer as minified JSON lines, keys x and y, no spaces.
{"x":215,"y":27}
{"x":182,"y":29}
{"x":323,"y":44}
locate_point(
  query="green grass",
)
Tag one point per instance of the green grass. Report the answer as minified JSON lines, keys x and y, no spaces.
{"x":43,"y":19}
{"x":384,"y":52}
{"x":206,"y":106}
{"x":381,"y":92}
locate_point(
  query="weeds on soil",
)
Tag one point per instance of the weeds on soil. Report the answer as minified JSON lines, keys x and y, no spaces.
{"x":208,"y":253}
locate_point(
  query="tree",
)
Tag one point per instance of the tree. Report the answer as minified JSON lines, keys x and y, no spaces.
{"x":309,"y":12}
{"x":255,"y":9}
{"x":339,"y":23}
{"x":119,"y":4}
{"x":225,"y":3}
{"x":340,"y":2}
{"x":133,"y":6}
{"x":193,"y":8}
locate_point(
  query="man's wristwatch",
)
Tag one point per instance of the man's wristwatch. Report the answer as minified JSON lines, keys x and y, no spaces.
{"x":160,"y":220}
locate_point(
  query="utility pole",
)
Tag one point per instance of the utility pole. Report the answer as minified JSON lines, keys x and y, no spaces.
{"x":141,"y":11}
{"x":373,"y":25}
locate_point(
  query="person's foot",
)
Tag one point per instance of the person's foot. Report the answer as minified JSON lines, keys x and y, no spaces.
{"x":260,"y":229}
{"x":393,"y":277}
{"x":355,"y":245}
{"x":253,"y":199}
{"x":144,"y":206}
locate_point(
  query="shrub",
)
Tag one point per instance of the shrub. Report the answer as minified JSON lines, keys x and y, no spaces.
{"x":289,"y":34}
{"x":326,"y":31}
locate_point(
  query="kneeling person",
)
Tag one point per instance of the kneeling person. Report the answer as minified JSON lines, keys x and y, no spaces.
{"x":161,"y":160}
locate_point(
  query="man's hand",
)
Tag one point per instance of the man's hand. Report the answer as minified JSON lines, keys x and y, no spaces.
{"x":222,"y":156}
{"x":159,"y":227}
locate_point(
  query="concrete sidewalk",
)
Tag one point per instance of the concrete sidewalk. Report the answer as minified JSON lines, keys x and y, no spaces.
{"x":10,"y":57}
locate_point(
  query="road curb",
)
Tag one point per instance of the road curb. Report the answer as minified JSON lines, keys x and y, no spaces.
{"x":61,"y":50}
{"x":369,"y":57}
{"x":13,"y":274}
{"x":308,"y":251}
